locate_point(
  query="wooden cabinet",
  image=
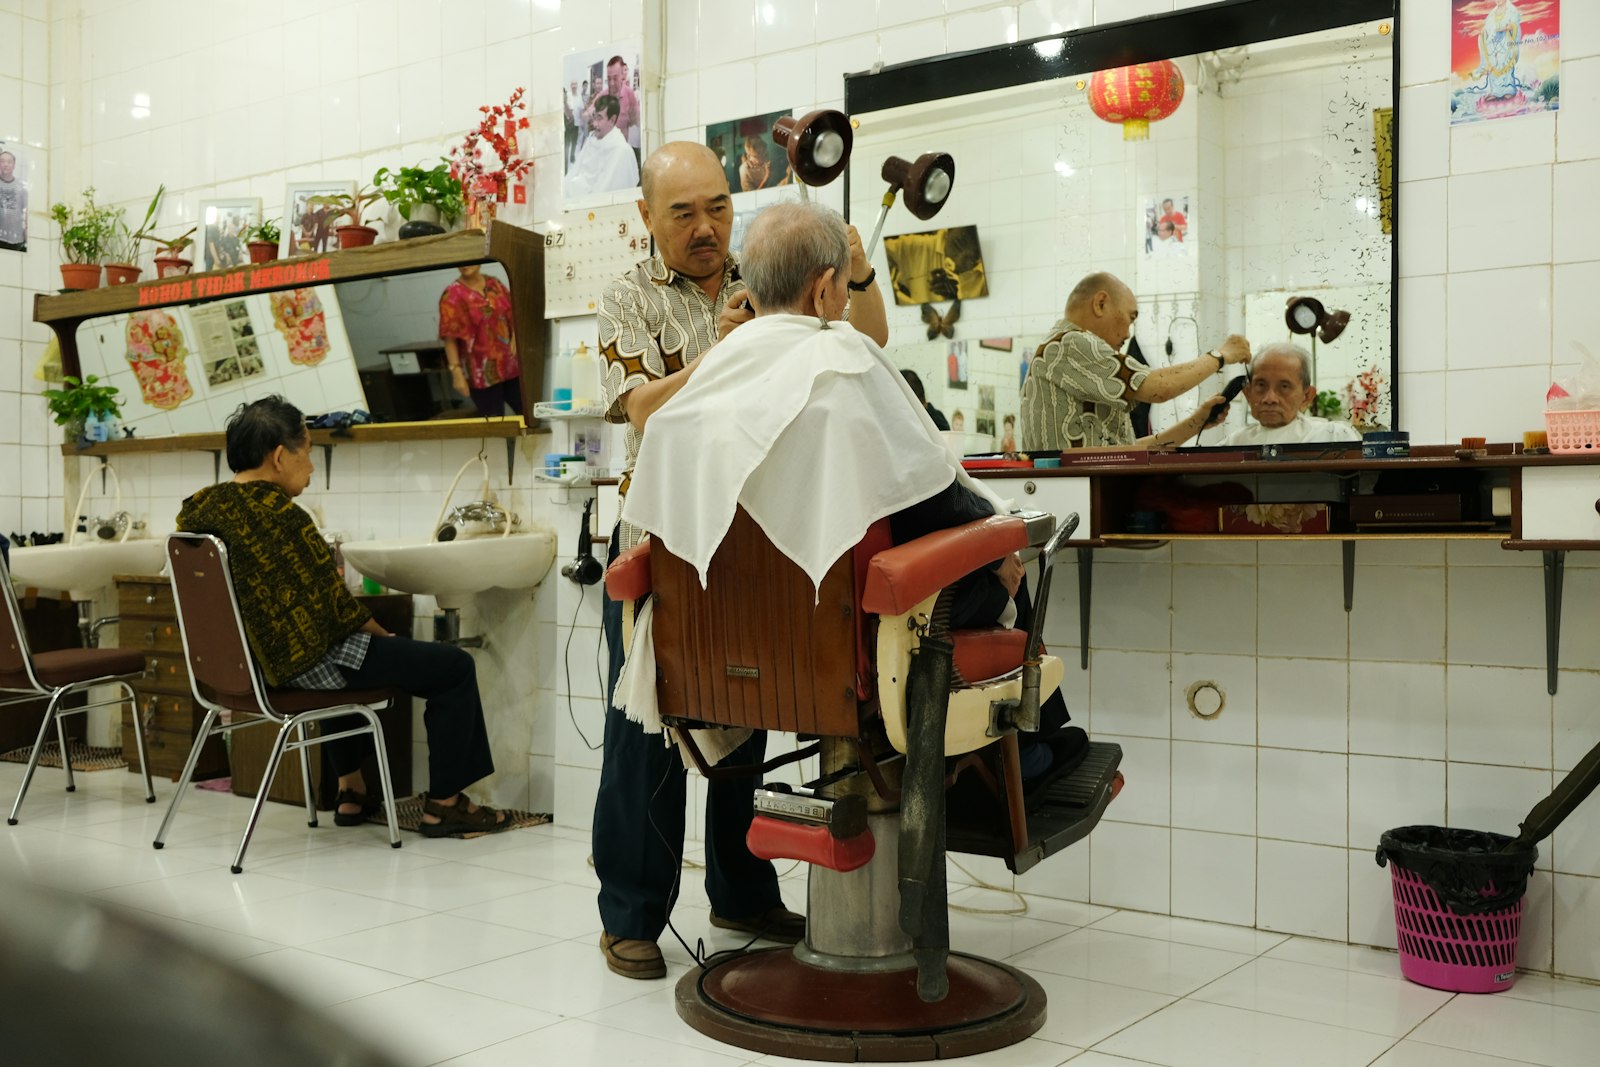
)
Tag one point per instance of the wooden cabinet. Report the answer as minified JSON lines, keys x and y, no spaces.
{"x":166,"y":706}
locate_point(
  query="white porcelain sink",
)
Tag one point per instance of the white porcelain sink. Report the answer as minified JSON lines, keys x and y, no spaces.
{"x":82,"y":570}
{"x":451,"y":571}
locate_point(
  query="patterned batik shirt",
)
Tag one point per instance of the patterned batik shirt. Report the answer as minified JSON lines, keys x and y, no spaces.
{"x":654,"y":322}
{"x":1078,"y":393}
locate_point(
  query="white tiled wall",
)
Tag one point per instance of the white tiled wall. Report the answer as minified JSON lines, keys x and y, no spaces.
{"x":1410,"y":709}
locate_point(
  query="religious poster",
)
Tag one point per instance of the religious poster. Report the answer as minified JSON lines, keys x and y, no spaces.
{"x":225,"y":340}
{"x":13,"y":198}
{"x":1505,"y":58}
{"x":298,"y":316}
{"x":748,"y":153}
{"x":156,"y":351}
{"x":1167,"y":229}
{"x":601,"y":122}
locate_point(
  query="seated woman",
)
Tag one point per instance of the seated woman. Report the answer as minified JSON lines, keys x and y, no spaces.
{"x":804,"y":422}
{"x":308,"y":632}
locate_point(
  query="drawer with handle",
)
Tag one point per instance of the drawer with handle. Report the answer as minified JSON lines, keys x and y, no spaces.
{"x":145,"y":600}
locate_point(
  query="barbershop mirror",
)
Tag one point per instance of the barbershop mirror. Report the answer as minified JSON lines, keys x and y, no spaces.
{"x":370,"y":344}
{"x":1272,"y":179}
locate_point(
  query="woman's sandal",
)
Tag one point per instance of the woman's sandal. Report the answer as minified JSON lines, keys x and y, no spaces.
{"x":369,"y":805}
{"x":455,"y":819}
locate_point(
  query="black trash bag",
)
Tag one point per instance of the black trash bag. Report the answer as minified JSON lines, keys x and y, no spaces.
{"x":1466,"y":869}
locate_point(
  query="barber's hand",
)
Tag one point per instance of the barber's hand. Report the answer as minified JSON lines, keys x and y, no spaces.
{"x":1207,"y":405}
{"x":1235,"y":349}
{"x":860,"y":266}
{"x":458,"y":379}
{"x":1010,"y":572}
{"x":735,"y":313}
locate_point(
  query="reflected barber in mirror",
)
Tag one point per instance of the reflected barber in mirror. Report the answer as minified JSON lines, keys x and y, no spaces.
{"x":1280,"y":393}
{"x":1081,"y":386}
{"x":480,"y":341}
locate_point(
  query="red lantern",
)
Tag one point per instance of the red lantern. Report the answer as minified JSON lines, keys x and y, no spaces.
{"x":1136,"y":96}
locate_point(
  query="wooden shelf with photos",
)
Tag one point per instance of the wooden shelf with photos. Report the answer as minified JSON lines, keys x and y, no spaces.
{"x":520,"y":252}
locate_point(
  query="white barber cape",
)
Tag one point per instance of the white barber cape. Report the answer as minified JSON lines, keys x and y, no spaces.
{"x":812,"y":430}
{"x":1303,"y":429}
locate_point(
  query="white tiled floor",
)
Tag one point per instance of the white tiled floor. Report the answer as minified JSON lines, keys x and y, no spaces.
{"x":484,"y":952}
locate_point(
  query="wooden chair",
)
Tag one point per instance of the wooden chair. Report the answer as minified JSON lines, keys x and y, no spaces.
{"x":759,"y":647}
{"x":57,"y":675}
{"x":228,"y":683}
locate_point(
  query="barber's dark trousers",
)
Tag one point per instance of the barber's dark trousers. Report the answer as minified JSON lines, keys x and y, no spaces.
{"x":639,"y":820}
{"x":444,"y":675}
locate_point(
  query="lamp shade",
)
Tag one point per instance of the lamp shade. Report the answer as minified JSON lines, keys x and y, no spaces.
{"x":926,"y":183}
{"x":818,"y":145}
{"x":1136,"y":96}
{"x":1305,"y":314}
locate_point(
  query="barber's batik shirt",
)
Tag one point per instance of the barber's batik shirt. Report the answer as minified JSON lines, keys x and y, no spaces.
{"x":653,"y":322}
{"x":1078,"y":393}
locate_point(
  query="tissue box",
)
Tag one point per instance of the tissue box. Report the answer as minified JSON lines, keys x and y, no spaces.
{"x":1309,"y":518}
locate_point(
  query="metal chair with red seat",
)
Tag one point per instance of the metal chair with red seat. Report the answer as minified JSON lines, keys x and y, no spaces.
{"x":57,"y":675}
{"x":760,"y":647}
{"x":228,"y":683}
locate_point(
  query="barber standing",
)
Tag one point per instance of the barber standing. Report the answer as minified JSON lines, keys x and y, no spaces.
{"x":655,"y":321}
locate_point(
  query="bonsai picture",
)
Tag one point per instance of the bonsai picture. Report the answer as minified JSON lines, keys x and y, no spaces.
{"x":424,"y":197}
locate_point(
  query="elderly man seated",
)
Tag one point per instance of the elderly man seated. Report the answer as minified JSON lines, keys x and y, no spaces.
{"x":806,"y":423}
{"x":1279,"y":393}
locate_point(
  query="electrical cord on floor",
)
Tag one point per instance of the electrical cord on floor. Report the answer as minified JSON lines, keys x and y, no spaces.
{"x":1022,"y":901}
{"x":566,"y":665}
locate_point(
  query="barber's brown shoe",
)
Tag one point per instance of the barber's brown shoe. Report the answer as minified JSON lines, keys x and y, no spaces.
{"x":778,"y":923}
{"x":633,"y":958}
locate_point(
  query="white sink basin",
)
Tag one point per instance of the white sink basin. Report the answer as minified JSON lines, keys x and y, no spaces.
{"x":82,"y":570}
{"x":451,"y":571}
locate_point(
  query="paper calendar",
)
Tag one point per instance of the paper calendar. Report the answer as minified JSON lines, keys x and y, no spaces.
{"x":590,"y":248}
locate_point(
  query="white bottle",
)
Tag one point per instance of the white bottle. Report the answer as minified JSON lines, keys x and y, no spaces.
{"x":585,"y":377}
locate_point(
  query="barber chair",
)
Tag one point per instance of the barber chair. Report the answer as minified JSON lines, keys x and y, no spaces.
{"x":898,"y":709}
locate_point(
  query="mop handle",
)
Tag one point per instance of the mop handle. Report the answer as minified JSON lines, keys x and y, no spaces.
{"x":1573,"y":790}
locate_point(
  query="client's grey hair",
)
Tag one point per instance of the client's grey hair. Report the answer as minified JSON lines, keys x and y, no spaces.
{"x":1284,"y":348}
{"x":787,"y":248}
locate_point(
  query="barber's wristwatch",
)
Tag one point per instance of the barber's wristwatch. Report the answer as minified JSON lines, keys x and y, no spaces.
{"x":865,"y":283}
{"x":1222,"y":361}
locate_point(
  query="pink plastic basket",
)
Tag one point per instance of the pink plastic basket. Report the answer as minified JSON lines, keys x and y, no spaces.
{"x":1443,"y":950}
{"x":1572,"y":431}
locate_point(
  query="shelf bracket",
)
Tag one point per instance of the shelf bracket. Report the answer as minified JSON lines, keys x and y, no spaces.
{"x":327,"y":467}
{"x":1555,"y":564}
{"x":511,"y":461}
{"x":105,"y":461}
{"x":216,"y":465}
{"x":1348,"y":549}
{"x":1085,"y":596}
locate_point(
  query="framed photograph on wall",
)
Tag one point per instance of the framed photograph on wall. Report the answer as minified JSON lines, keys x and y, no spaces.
{"x":307,"y":227}
{"x":13,"y":197}
{"x":222,"y":236}
{"x":602,"y":124}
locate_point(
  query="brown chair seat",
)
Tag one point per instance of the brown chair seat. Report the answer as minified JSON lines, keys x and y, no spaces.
{"x":294,"y":701}
{"x":68,"y":665}
{"x":988,"y":653}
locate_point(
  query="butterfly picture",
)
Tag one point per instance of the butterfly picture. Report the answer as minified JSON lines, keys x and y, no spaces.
{"x":941,"y":325}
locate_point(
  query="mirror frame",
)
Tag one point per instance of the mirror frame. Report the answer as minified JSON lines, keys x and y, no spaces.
{"x":1118,"y":44}
{"x":519,"y":251}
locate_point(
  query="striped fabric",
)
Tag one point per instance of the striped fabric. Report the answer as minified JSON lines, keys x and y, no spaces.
{"x":1078,"y":393}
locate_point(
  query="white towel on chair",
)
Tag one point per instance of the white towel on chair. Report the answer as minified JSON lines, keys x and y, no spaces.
{"x":812,"y":430}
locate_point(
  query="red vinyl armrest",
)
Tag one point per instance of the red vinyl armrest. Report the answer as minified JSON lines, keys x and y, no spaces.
{"x":628,"y":577}
{"x":901,"y":577}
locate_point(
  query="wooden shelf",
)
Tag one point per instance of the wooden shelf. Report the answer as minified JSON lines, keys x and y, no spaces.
{"x":1433,"y":535}
{"x":370,"y":433}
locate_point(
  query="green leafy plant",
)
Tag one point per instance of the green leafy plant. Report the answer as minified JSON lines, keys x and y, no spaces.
{"x":173,"y":246}
{"x":408,"y":187}
{"x":345,"y":204}
{"x":87,"y":231}
{"x":267,"y":231}
{"x":1327,"y":405}
{"x":81,"y":399}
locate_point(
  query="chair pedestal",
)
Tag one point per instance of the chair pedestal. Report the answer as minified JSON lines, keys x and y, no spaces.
{"x":849,"y":991}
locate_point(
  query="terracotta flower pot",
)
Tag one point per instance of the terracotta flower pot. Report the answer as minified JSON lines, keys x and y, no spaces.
{"x":80,"y":275}
{"x":356,"y":236}
{"x":121,"y":274}
{"x":263,"y":251}
{"x":167,"y":266}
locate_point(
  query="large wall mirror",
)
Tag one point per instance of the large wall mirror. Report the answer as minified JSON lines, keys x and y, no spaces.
{"x":1272,"y":180}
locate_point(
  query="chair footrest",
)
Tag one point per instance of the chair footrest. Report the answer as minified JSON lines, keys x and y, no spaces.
{"x":780,"y":839}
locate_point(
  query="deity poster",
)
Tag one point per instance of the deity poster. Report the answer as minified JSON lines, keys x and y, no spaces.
{"x":1505,"y":58}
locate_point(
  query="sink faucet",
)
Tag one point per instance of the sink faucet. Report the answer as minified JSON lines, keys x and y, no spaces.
{"x":113,"y":526}
{"x":477,"y":511}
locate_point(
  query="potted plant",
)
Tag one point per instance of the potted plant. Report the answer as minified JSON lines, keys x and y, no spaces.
{"x":85,"y":232}
{"x":81,"y":401}
{"x":423,"y":196}
{"x":170,"y":260}
{"x":356,"y":233}
{"x":121,"y":266}
{"x":263,"y":241}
